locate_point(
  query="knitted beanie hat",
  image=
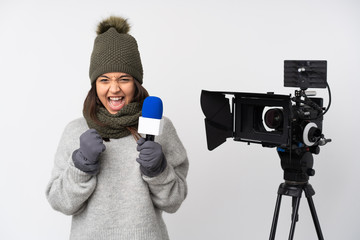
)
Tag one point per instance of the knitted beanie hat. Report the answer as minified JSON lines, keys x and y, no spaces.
{"x":115,"y":50}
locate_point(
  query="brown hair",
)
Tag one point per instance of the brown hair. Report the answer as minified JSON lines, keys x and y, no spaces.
{"x":92,"y":101}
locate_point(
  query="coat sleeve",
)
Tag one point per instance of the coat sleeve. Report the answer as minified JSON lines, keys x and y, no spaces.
{"x":69,"y":188}
{"x":169,"y":189}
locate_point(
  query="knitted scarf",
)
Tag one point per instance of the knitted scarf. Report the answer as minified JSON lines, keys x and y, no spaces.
{"x":116,"y":125}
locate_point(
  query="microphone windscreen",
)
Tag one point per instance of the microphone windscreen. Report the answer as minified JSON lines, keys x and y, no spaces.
{"x":150,"y":123}
{"x":152,"y":108}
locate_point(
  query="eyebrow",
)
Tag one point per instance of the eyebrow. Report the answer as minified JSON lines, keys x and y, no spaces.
{"x":125,"y":75}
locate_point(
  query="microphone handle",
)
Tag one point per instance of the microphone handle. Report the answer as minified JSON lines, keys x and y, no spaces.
{"x":149,"y":137}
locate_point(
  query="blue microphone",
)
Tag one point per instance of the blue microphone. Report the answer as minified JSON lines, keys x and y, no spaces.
{"x":150,"y":123}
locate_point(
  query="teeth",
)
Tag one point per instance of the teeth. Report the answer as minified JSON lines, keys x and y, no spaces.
{"x":116,"y":98}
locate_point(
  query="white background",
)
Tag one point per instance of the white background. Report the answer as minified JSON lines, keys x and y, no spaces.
{"x":186,"y":46}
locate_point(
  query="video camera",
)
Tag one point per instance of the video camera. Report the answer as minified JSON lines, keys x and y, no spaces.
{"x":293,"y":124}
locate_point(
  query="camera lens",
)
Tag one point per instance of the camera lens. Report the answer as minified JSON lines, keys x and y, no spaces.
{"x":274,"y":118}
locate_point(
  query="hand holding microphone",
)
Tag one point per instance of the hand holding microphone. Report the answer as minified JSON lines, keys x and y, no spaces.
{"x":151,"y":157}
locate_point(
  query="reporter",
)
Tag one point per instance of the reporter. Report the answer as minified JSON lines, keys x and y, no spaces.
{"x":114,"y":183}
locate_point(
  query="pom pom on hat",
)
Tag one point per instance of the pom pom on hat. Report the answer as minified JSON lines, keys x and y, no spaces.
{"x":120,"y":24}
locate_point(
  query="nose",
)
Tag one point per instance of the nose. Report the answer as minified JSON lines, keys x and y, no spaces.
{"x":115,"y":87}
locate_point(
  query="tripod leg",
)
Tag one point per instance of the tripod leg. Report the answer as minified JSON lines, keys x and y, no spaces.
{"x":293,"y":209}
{"x":275,"y":218}
{"x":315,"y":218}
{"x":294,"y":217}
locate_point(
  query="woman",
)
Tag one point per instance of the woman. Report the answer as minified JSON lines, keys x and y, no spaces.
{"x":113,"y":185}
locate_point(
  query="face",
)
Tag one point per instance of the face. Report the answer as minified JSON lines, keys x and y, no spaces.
{"x":115,"y":90}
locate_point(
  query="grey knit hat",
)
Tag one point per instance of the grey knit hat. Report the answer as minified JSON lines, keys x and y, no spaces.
{"x":115,"y":50}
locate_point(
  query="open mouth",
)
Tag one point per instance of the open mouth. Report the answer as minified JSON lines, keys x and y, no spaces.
{"x":116,"y":103}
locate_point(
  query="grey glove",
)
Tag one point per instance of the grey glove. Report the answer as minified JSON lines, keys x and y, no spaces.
{"x":86,"y":158}
{"x":151,"y":158}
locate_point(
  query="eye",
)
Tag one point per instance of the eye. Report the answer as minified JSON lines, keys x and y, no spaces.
{"x":103,"y":80}
{"x":124,"y":79}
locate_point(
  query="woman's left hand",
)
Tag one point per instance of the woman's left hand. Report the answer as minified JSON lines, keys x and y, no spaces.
{"x":151,"y":158}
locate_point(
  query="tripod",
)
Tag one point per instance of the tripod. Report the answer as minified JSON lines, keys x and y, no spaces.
{"x":295,"y":190}
{"x":297,"y":169}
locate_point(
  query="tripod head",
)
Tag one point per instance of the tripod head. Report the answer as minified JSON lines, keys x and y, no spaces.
{"x":297,"y":165}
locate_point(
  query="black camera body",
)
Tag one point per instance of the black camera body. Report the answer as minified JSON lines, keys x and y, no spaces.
{"x":292,"y":124}
{"x":274,"y":121}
